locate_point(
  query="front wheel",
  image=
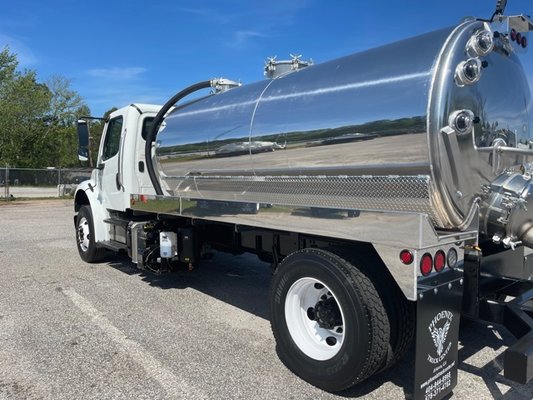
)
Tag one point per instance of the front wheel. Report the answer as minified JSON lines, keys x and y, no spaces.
{"x":85,"y":236}
{"x":330,"y":325}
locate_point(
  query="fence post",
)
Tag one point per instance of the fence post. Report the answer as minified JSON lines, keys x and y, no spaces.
{"x":59,"y":183}
{"x":7,"y":184}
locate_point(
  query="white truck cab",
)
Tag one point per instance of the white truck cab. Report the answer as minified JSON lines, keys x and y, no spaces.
{"x":120,"y":169}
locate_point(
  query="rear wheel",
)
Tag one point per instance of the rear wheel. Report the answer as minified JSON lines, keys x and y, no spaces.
{"x":400,"y":311}
{"x":330,"y":325}
{"x":85,"y":236}
{"x":402,"y":315}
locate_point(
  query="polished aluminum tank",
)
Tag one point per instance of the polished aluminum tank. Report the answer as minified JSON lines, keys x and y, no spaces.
{"x":403,"y":128}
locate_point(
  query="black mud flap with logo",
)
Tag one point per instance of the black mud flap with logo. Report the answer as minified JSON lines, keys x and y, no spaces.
{"x":437,"y":337}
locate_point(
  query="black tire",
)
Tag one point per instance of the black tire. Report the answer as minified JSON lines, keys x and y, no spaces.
{"x":400,"y":311}
{"x":402,"y":319}
{"x":85,"y":236}
{"x":365,"y":326}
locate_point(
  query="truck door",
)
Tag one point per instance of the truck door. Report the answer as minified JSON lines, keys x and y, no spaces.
{"x":109,"y":165}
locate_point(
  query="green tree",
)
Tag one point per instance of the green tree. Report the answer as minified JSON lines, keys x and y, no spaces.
{"x":37,"y":121}
{"x":23,"y":102}
{"x":8,"y":66}
{"x":66,"y":105}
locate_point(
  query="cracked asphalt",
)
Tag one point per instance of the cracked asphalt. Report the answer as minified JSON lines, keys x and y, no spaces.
{"x":70,"y":330}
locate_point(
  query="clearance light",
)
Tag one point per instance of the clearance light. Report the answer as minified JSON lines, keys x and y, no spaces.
{"x":452,"y":258}
{"x":523,"y":42}
{"x":426,"y":264}
{"x":513,"y":35}
{"x":406,"y":257}
{"x":440,"y":261}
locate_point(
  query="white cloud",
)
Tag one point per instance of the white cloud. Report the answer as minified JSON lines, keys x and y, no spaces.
{"x":25,"y":55}
{"x":103,"y":88}
{"x":101,"y":94}
{"x":117,"y":73}
{"x":242,"y":38}
{"x":209,"y":14}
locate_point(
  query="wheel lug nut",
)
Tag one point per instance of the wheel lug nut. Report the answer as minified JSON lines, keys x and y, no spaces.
{"x":331,"y":341}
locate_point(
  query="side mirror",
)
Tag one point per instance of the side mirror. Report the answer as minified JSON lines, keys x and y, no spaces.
{"x":83,"y":155}
{"x":83,"y":140}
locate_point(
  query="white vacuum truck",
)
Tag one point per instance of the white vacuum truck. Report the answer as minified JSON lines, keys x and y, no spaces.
{"x":390,"y":190}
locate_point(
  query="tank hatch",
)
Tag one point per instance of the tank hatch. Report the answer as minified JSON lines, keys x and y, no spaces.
{"x":275,"y":68}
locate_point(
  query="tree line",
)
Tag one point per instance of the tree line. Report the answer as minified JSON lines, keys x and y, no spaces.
{"x":38,"y":119}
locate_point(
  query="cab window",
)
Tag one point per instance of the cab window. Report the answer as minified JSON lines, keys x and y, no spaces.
{"x":147,"y":125}
{"x":112,"y":138}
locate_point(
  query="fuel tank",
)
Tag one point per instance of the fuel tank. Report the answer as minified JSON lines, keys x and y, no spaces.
{"x":406,"y":127}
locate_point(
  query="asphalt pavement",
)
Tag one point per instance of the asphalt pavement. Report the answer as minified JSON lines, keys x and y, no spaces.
{"x":71,"y":330}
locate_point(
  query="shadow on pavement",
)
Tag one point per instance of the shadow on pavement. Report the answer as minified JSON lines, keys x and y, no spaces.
{"x":477,"y":338}
{"x":243,"y":281}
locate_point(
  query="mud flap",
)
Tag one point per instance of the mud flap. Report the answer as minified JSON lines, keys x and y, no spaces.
{"x":437,"y":337}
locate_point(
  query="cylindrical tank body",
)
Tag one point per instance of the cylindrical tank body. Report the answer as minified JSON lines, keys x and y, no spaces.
{"x":371,"y":131}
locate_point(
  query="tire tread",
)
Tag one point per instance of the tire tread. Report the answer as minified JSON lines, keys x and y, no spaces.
{"x":378,"y":323}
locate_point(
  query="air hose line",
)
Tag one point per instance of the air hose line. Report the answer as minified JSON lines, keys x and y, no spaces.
{"x":150,"y":138}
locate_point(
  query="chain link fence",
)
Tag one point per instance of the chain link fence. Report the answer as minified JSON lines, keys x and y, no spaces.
{"x":16,"y":183}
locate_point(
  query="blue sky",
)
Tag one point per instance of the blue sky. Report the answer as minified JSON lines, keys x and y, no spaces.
{"x":120,"y":52}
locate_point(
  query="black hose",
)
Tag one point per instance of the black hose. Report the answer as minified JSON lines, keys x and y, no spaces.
{"x":150,"y":137}
{"x":500,"y":9}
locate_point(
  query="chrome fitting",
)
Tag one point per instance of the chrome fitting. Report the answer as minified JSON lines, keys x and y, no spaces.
{"x":481,"y":44}
{"x":220,"y":85}
{"x":462,"y":121}
{"x":468,"y":72}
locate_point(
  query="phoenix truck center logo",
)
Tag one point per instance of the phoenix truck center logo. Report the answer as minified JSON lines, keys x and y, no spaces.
{"x":438,"y":328}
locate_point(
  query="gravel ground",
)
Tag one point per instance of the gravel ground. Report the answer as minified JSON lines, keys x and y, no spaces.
{"x":70,"y":330}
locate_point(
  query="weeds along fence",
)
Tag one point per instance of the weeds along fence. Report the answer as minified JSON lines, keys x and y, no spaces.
{"x":17,"y":183}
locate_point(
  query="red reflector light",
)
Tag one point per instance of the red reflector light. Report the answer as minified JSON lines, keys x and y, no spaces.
{"x":426,"y":264}
{"x":524,"y":42}
{"x":406,"y":257}
{"x":519,"y":38}
{"x":513,"y":35}
{"x":440,"y":261}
